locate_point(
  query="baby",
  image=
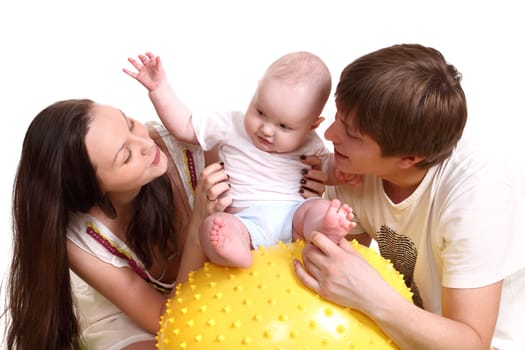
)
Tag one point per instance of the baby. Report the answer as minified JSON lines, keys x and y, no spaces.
{"x":261,"y":150}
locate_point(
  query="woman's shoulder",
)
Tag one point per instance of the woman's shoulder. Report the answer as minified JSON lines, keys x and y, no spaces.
{"x":92,"y":236}
{"x":187,"y":160}
{"x":162,"y":136}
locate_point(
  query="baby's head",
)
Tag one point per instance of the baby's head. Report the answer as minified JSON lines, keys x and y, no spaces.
{"x":288,"y":102}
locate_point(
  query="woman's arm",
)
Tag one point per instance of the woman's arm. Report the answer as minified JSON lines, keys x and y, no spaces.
{"x":121,"y":286}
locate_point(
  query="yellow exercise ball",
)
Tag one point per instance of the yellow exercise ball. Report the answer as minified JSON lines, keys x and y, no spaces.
{"x":266,"y":307}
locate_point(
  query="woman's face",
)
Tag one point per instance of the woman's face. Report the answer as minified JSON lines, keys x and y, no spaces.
{"x":125,"y":158}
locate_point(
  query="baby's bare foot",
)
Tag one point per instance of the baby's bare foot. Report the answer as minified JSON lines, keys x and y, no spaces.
{"x":216,"y":236}
{"x":228,"y":243}
{"x":337,"y":221}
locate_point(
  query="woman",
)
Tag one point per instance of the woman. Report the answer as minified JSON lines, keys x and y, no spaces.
{"x":96,"y":191}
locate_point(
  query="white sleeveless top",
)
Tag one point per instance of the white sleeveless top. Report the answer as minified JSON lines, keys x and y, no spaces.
{"x":103,"y":325}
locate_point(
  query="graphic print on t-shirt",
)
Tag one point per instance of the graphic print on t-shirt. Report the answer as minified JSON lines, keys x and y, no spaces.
{"x":402,"y":252}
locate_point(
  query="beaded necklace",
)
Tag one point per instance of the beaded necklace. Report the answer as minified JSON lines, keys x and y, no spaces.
{"x":123,"y":254}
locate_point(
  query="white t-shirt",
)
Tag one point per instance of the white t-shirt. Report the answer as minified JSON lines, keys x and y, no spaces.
{"x":255,"y":175}
{"x":461,"y":228}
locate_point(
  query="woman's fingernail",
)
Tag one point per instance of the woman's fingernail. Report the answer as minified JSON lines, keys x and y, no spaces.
{"x":301,"y":190}
{"x":303,"y":157}
{"x":304,"y":171}
{"x":303,"y":181}
{"x":221,"y":163}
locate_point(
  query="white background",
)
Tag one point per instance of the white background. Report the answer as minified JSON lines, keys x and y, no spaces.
{"x":215,"y":51}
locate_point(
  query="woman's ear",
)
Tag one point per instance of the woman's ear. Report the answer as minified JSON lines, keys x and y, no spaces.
{"x":316,"y":123}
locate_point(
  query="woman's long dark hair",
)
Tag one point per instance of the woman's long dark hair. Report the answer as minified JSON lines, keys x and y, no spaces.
{"x":54,"y":178}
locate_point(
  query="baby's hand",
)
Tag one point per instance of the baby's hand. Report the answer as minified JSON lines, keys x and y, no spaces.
{"x":352,"y":180}
{"x":150,"y":72}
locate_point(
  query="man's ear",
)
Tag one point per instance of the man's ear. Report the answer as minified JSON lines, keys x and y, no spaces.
{"x":409,"y":161}
{"x":316,"y":123}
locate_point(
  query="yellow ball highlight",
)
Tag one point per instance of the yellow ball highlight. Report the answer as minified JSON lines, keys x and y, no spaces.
{"x":266,"y":307}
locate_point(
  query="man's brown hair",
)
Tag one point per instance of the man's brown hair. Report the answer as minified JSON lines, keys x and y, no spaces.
{"x":408,"y":99}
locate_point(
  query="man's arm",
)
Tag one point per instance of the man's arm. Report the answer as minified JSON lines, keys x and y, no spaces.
{"x":338,"y":273}
{"x":468,"y":320}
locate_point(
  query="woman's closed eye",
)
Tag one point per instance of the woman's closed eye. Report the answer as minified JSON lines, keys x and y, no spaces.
{"x":131,"y":126}
{"x":128,"y":157}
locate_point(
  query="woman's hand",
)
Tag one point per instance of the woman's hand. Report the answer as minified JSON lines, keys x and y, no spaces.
{"x":314,"y":179}
{"x":352,"y":180}
{"x":211,"y":192}
{"x":210,"y":197}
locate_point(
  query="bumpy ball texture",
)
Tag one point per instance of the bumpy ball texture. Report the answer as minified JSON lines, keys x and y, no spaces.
{"x":266,"y":307}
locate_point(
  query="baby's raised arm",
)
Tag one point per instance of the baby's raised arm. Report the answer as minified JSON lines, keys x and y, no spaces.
{"x":172,"y":112}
